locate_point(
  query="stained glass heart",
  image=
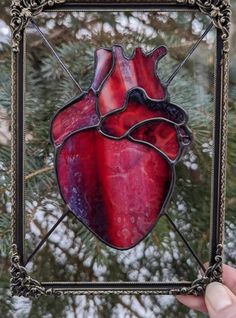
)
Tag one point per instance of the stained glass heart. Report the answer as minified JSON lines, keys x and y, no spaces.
{"x":117,"y":146}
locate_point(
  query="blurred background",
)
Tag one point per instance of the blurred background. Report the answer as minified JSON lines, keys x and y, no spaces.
{"x":72,"y":253}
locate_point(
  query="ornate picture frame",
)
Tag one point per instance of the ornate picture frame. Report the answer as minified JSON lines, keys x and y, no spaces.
{"x":22,"y":11}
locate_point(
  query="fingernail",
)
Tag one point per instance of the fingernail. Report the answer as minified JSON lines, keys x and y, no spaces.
{"x":218,"y":297}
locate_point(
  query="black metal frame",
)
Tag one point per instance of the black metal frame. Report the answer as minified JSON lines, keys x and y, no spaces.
{"x":21,"y":282}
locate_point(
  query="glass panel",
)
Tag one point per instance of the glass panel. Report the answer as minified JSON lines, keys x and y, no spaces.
{"x":72,"y":249}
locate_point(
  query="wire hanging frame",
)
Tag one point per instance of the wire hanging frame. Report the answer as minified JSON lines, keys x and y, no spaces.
{"x":18,"y":272}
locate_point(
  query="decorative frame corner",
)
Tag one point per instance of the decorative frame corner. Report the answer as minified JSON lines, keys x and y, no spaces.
{"x":220,"y":13}
{"x":21,"y":11}
{"x":21,"y":284}
{"x":212,"y":274}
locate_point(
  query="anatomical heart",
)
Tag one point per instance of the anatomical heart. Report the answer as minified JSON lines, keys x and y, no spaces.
{"x":117,"y":146}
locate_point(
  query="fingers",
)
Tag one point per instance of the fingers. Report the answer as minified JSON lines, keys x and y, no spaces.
{"x":220,"y":301}
{"x":193,"y":302}
{"x":198,"y":303}
{"x":229,"y":278}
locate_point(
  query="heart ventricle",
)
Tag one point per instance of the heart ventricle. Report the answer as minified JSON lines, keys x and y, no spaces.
{"x":117,"y":188}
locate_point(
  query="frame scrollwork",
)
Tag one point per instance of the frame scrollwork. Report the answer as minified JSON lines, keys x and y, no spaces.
{"x":21,"y":11}
{"x":220,"y":13}
{"x":21,"y":282}
{"x":212,"y":274}
{"x":23,"y":285}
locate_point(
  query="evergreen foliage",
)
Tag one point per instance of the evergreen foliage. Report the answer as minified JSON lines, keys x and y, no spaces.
{"x":72,"y":253}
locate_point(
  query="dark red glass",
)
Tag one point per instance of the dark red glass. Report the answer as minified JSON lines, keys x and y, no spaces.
{"x":162,"y":135}
{"x":137,"y":109}
{"x":76,"y":115}
{"x":103,"y":61}
{"x":117,"y":188}
{"x":129,"y":73}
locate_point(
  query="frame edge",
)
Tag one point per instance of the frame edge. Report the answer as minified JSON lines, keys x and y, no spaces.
{"x":21,"y":12}
{"x":21,"y":282}
{"x":23,"y":285}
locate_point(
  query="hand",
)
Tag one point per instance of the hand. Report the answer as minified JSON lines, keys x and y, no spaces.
{"x":220,"y":300}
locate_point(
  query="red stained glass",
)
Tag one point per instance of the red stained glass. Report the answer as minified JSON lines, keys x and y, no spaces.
{"x":137,"y":109}
{"x":162,"y":135}
{"x":117,"y":146}
{"x":117,"y":188}
{"x":129,"y":73}
{"x":104,"y":59}
{"x":76,"y":115}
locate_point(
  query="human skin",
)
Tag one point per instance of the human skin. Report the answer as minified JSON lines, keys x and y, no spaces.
{"x":219,"y":300}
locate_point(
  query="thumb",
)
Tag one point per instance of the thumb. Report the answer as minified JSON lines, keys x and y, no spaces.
{"x":220,"y":301}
